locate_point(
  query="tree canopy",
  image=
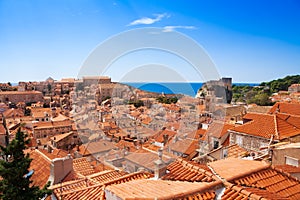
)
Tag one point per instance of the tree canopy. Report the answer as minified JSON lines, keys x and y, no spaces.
{"x":166,"y":100}
{"x":282,"y":83}
{"x":15,"y":183}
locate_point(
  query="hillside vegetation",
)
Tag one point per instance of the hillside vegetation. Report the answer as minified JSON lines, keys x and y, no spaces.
{"x":260,"y":95}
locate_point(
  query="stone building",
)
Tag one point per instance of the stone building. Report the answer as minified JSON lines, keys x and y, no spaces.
{"x":25,"y":96}
{"x":261,"y":130}
{"x":51,"y":128}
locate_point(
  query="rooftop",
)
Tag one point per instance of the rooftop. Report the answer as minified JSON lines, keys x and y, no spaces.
{"x":41,"y":166}
{"x":181,"y":170}
{"x":233,"y":168}
{"x":152,"y":189}
{"x":285,"y":107}
{"x":95,"y":147}
{"x":218,"y":129}
{"x":265,"y":125}
{"x":82,"y":166}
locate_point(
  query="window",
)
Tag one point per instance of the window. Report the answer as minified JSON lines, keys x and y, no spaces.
{"x":216,"y":144}
{"x":225,"y":153}
{"x":291,"y":161}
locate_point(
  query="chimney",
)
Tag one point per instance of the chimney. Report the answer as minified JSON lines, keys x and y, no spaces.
{"x":160,"y":166}
{"x":60,"y":168}
{"x":166,"y":138}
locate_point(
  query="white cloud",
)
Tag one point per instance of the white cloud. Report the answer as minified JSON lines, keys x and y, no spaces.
{"x":172,"y":28}
{"x":148,"y":20}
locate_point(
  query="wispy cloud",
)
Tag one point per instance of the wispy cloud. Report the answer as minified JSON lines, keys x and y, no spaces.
{"x":172,"y":28}
{"x":148,"y":20}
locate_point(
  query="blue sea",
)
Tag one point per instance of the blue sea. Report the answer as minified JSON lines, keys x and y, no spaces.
{"x":175,"y":88}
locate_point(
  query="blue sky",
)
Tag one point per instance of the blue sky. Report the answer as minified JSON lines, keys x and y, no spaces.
{"x":251,"y":41}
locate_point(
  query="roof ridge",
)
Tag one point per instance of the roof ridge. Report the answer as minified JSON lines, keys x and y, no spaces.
{"x":66,"y":183}
{"x":101,"y":184}
{"x":258,"y":169}
{"x":288,"y":116}
{"x":43,"y":155}
{"x":127,"y":176}
{"x":81,"y":189}
{"x":100,"y":173}
{"x":276,"y":127}
{"x":285,"y":173}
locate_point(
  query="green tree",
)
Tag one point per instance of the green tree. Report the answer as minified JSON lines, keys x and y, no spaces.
{"x":15,"y":183}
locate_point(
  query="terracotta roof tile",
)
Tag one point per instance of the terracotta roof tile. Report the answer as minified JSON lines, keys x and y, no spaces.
{"x":50,"y":156}
{"x":90,"y":187}
{"x":273,"y":181}
{"x":218,"y":129}
{"x":82,"y":166}
{"x":160,"y":135}
{"x":41,"y":166}
{"x":152,"y":189}
{"x":42,"y":125}
{"x":241,"y":192}
{"x":95,"y":147}
{"x":235,"y":151}
{"x":265,"y":125}
{"x":19,"y":92}
{"x":285,"y":107}
{"x":288,"y":168}
{"x":186,"y":146}
{"x":12,"y":113}
{"x":59,"y":137}
{"x":232,"y":168}
{"x":181,"y":170}
{"x":262,"y":125}
{"x":146,"y":160}
{"x":106,"y":176}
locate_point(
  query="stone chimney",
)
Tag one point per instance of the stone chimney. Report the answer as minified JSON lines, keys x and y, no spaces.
{"x":60,"y":168}
{"x":160,"y":166}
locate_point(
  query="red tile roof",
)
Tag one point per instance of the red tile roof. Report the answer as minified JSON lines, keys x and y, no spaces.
{"x":181,"y":170}
{"x":273,"y":181}
{"x":161,"y":189}
{"x":265,"y":125}
{"x":288,"y":168}
{"x":285,"y":107}
{"x":53,"y":124}
{"x":160,"y":135}
{"x":89,"y":188}
{"x":185,"y":146}
{"x":106,"y":176}
{"x":262,"y":125}
{"x":255,"y":178}
{"x":12,"y":113}
{"x":82,"y":166}
{"x":244,"y":193}
{"x":233,"y":168}
{"x":19,"y":92}
{"x":146,"y":160}
{"x":235,"y":151}
{"x":95,"y":147}
{"x":41,"y":166}
{"x":52,"y":155}
{"x":218,"y":129}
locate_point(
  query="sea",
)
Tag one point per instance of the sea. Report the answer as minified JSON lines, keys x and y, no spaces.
{"x":186,"y":88}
